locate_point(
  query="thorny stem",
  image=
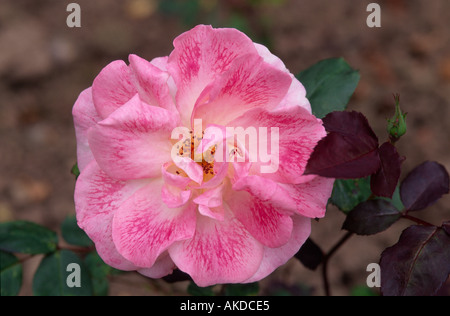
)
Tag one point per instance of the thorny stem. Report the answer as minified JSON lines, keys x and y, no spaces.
{"x":326,"y":283}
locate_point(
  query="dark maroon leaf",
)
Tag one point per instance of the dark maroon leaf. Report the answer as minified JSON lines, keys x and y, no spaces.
{"x":384,"y":181}
{"x":349,"y":150}
{"x":446,"y":227}
{"x":424,"y":185}
{"x":371,"y":217}
{"x":310,"y":254}
{"x":418,"y":264}
{"x":350,"y":124}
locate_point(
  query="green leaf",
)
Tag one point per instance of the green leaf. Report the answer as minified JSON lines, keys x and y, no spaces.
{"x":10,"y":274}
{"x":99,"y":271}
{"x":73,"y":234}
{"x":250,"y":289}
{"x":195,"y":290}
{"x":52,"y":276}
{"x":329,"y":85}
{"x":27,"y":237}
{"x":75,"y":171}
{"x":396,"y":200}
{"x":363,"y":290}
{"x":347,"y":194}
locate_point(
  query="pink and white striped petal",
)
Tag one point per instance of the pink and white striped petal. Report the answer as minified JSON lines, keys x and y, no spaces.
{"x":97,"y":198}
{"x":84,"y":117}
{"x":144,"y":227}
{"x":248,"y":83}
{"x":298,"y":133}
{"x":220,"y":252}
{"x":112,"y":88}
{"x":199,"y":56}
{"x":310,"y":197}
{"x":134,"y":141}
{"x":276,"y":257}
{"x":268,"y":191}
{"x":296,"y":95}
{"x":261,"y":219}
{"x":151,"y":83}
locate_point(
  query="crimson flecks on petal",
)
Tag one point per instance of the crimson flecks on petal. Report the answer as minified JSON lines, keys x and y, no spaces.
{"x":153,"y":200}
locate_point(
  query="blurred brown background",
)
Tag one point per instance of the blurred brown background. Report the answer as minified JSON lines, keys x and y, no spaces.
{"x":44,"y":65}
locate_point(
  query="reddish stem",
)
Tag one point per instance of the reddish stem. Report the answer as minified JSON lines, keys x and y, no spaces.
{"x":416,"y":220}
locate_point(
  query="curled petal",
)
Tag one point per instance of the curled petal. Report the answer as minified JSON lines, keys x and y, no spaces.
{"x":151,"y":83}
{"x":112,"y":88}
{"x":192,"y":169}
{"x":162,"y":267}
{"x":171,"y":177}
{"x":174,"y":197}
{"x":217,"y":212}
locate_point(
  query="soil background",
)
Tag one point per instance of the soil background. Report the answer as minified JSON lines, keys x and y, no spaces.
{"x":44,"y":65}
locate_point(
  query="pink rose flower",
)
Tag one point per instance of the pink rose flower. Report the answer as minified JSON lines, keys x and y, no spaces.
{"x":219,"y":220}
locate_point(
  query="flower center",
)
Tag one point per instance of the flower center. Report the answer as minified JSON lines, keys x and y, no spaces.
{"x":189,"y":148}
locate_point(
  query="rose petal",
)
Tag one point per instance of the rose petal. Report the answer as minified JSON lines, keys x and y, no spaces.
{"x":296,"y":95}
{"x":311,"y":198}
{"x":162,"y":267}
{"x":97,"y":198}
{"x":134,"y":141}
{"x":276,"y":257}
{"x":192,"y":169}
{"x":210,"y":198}
{"x":151,"y":83}
{"x":174,"y":197}
{"x":261,"y":219}
{"x":199,"y":56}
{"x":267,"y":191}
{"x":144,"y":227}
{"x":248,"y":83}
{"x":112,"y":88}
{"x":298,"y":134}
{"x":84,"y":117}
{"x":270,"y":58}
{"x":217,"y":212}
{"x":172,"y":178}
{"x":219,"y":252}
